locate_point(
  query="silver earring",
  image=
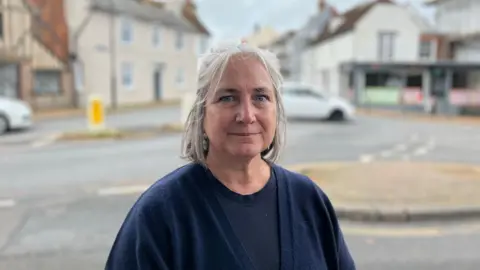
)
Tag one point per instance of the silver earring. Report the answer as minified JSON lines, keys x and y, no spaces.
{"x":205,"y":142}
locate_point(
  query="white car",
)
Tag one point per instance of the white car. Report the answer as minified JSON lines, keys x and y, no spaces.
{"x":306,"y":101}
{"x":14,"y":114}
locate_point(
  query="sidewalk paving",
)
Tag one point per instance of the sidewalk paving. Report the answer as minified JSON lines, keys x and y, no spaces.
{"x":399,"y":191}
{"x":72,"y":112}
{"x":419,"y":116}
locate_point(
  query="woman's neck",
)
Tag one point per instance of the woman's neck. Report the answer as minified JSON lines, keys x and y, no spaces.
{"x":244,"y":178}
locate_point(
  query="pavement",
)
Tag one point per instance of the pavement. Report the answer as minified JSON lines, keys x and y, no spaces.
{"x":420,"y":116}
{"x":399,"y":191}
{"x":61,"y":203}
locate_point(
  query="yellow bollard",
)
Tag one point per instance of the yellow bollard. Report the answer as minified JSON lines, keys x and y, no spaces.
{"x":95,"y":113}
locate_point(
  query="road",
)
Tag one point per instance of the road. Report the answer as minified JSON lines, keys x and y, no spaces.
{"x":122,"y":119}
{"x":61,"y":204}
{"x":77,"y":234}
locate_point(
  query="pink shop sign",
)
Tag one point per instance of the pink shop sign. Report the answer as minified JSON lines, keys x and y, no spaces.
{"x":465,"y":97}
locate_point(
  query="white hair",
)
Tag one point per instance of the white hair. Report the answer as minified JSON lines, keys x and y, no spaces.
{"x":210,"y":70}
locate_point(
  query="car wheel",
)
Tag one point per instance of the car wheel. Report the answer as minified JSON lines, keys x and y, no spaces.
{"x":337,"y":115}
{"x":4,"y":126}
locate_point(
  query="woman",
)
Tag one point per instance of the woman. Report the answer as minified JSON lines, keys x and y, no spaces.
{"x":232,"y":207}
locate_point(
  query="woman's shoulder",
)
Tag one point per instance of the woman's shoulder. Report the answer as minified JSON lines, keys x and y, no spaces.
{"x":171,"y":187}
{"x":299,"y":183}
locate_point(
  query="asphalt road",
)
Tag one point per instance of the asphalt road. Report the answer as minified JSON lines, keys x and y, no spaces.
{"x":61,"y":204}
{"x":77,"y":235}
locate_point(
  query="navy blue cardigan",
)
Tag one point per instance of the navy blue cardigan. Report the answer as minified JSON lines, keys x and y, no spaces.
{"x":178,"y":224}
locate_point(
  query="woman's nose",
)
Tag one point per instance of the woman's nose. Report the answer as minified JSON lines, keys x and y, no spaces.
{"x":246,"y":113}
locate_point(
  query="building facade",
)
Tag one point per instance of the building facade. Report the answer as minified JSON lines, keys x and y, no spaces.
{"x":136,"y":52}
{"x":56,"y":53}
{"x":33,"y":54}
{"x":460,"y":22}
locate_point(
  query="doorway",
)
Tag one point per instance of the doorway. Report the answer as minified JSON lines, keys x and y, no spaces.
{"x":158,"y":81}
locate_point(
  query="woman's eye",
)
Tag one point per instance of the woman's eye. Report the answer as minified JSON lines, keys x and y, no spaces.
{"x":262,"y":98}
{"x":226,"y":99}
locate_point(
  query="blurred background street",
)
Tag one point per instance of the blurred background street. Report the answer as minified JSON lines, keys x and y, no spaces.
{"x":64,"y":202}
{"x":382,"y":98}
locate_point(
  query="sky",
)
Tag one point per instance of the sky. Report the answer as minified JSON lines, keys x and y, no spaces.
{"x":228,"y":19}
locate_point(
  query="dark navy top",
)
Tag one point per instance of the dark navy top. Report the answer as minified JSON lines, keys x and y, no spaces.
{"x":182,"y":223}
{"x":254,"y":219}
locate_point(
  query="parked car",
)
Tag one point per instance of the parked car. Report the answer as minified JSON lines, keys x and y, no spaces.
{"x":14,"y":114}
{"x":307,"y":101}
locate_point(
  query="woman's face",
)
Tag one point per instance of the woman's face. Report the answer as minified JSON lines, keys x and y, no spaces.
{"x":241,"y":113}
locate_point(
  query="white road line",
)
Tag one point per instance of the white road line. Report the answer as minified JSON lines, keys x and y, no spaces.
{"x":366,"y":158}
{"x":400,"y":147}
{"x":45,"y":140}
{"x":122,"y":190}
{"x":6,"y":203}
{"x":431,"y":143}
{"x":420,"y":151}
{"x":386,"y":153}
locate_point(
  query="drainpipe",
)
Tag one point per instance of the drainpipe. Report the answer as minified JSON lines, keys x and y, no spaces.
{"x":113,"y":59}
{"x":73,"y":56}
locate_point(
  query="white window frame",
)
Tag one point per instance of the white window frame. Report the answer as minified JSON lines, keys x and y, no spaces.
{"x":126,"y":30}
{"x":386,"y":45}
{"x":127,"y":70}
{"x":157,"y":36}
{"x":432,"y":50}
{"x":179,"y":40}
{"x":180,"y":77}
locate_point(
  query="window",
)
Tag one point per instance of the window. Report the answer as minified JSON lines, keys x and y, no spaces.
{"x":126,"y":31}
{"x":179,"y":40}
{"x":47,"y":82}
{"x":202,"y":44}
{"x":427,"y":50}
{"x":386,"y":46}
{"x":127,"y":75}
{"x":156,"y":36}
{"x":301,"y":92}
{"x":180,"y":77}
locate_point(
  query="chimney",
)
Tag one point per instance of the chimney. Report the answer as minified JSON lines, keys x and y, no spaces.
{"x":321,"y":5}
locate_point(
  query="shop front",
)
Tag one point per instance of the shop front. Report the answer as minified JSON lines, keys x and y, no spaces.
{"x":436,"y":88}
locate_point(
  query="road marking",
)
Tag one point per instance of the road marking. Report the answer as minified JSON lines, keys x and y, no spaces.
{"x":431,"y":144}
{"x":400,"y":147}
{"x":366,"y":158}
{"x":45,"y":140}
{"x":386,"y":153}
{"x":392,"y":232}
{"x":6,"y":203}
{"x":420,"y":151}
{"x":122,"y":190}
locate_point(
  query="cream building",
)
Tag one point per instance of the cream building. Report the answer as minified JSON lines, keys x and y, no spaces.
{"x":125,"y":51}
{"x":30,"y":68}
{"x":151,"y":53}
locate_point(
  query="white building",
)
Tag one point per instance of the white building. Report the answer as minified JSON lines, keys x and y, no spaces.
{"x":377,"y":31}
{"x":460,"y":19}
{"x":133,"y":51}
